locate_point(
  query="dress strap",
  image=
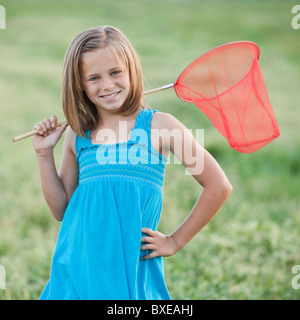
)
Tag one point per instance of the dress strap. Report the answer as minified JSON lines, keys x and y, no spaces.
{"x":142,"y":129}
{"x":144,"y":119}
{"x":81,"y":142}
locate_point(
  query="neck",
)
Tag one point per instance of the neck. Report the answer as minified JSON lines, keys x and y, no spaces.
{"x":109,"y":125}
{"x":109,"y":120}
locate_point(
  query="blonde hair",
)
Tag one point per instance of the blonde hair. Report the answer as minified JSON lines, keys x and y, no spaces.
{"x":79,"y":111}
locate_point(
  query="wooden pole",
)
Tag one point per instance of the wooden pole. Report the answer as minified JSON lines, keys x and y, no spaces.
{"x":30,"y":133}
{"x":167,"y":86}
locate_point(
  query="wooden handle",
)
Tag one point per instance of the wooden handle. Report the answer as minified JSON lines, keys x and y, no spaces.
{"x":167,"y":86}
{"x":31,"y":133}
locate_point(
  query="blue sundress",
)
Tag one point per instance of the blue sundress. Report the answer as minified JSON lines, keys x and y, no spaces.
{"x":97,"y":254}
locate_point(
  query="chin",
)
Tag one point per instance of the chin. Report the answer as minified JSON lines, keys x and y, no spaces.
{"x":111,"y":109}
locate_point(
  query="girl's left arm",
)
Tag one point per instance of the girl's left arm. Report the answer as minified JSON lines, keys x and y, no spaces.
{"x":206,"y":171}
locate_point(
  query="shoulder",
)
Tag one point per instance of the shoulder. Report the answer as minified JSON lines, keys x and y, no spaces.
{"x":166,"y":131}
{"x":70,"y":139}
{"x":162,"y":120}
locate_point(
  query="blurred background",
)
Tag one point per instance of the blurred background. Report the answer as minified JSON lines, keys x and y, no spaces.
{"x":249,"y":248}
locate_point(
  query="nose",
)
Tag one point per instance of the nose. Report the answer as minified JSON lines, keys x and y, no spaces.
{"x":107,"y":84}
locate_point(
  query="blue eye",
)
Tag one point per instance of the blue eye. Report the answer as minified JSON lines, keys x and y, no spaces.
{"x":94,"y":79}
{"x":115,"y":73}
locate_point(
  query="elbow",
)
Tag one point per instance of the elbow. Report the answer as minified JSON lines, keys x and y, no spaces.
{"x":57,"y":215}
{"x":219,"y":191}
{"x":58,"y":218}
{"x":226,"y":189}
{"x":59,"y":208}
{"x":58,"y":211}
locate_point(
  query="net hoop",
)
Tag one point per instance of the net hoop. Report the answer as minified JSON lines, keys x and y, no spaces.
{"x":227,"y":84}
{"x":206,"y":55}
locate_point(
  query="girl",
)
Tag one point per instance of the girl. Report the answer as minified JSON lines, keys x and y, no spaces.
{"x":108,"y":192}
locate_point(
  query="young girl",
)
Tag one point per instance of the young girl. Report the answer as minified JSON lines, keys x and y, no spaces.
{"x":108,"y":192}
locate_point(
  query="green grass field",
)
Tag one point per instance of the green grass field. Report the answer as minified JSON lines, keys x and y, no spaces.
{"x":249,"y":248}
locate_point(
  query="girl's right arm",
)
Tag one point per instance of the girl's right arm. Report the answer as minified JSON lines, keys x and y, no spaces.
{"x":57,"y":187}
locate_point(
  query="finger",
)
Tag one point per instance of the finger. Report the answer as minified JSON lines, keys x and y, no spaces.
{"x":149,"y":256}
{"x":62,"y":128}
{"x":43,"y":128}
{"x":147,"y":239}
{"x":148,"y":231}
{"x":53,"y":121}
{"x":47,"y":124}
{"x":147,"y":247}
{"x":38,"y":128}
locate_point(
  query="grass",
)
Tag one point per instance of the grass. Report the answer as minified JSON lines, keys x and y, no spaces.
{"x":248,"y":250}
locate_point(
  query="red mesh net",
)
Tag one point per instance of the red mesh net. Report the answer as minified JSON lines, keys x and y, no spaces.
{"x":227,"y":84}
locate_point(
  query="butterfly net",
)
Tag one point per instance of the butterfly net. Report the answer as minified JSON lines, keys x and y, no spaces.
{"x":227,"y":84}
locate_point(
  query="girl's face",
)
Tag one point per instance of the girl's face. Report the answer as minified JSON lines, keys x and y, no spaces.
{"x":105,"y":79}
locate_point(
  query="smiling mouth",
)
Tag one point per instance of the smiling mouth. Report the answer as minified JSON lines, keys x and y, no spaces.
{"x":110,"y":96}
